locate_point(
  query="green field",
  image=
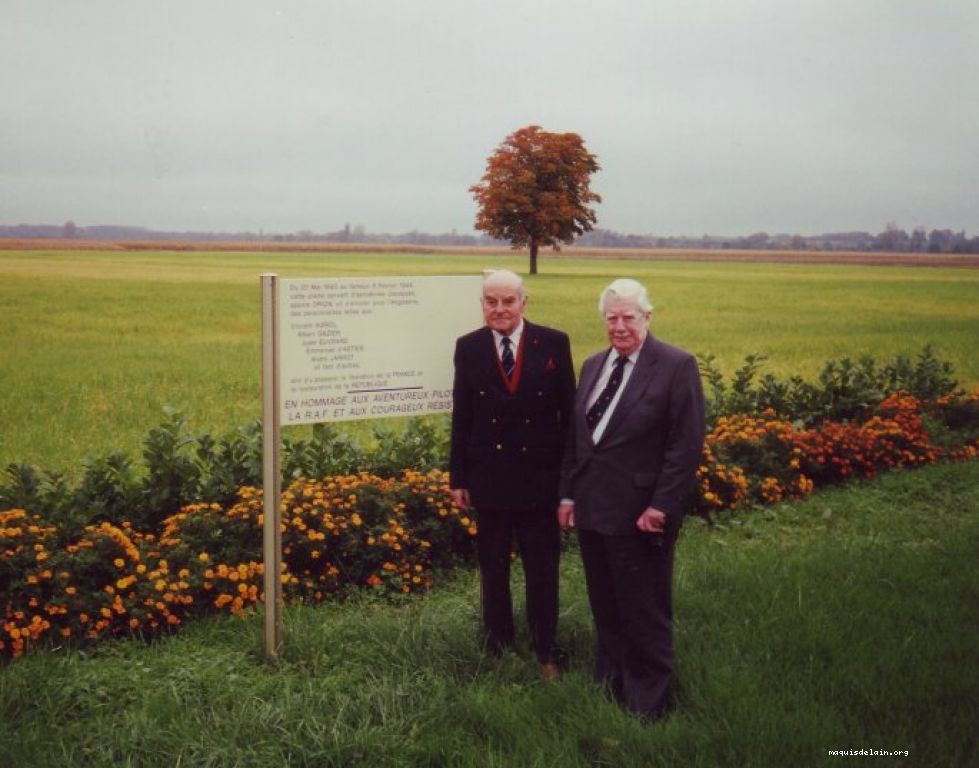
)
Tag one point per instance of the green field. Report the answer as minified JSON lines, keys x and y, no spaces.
{"x":846,"y":621}
{"x":93,"y":345}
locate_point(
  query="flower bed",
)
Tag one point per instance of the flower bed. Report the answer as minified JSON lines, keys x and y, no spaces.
{"x":363,"y":531}
{"x":339,"y":533}
{"x":760,"y":460}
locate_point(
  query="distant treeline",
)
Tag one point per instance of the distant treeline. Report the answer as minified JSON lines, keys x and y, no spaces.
{"x":892,"y":239}
{"x":348,"y":234}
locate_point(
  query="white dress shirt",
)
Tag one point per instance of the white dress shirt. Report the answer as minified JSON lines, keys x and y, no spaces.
{"x":603,"y":378}
{"x":514,"y":341}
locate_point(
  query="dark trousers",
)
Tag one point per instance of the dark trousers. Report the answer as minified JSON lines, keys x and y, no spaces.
{"x":629,"y":581}
{"x":538,"y":541}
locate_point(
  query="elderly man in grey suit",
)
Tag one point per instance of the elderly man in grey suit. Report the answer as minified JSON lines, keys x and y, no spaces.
{"x":635,"y":443}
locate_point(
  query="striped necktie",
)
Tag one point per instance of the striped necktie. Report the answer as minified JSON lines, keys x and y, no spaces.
{"x":506,"y":357}
{"x":599,"y":407}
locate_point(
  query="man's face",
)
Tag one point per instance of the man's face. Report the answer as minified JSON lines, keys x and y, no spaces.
{"x":503,"y":308}
{"x":626,"y":325}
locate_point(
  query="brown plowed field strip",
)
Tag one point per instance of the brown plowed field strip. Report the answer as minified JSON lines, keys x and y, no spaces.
{"x":965,"y":260}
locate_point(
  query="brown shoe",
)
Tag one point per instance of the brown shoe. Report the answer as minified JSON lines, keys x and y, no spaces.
{"x":550,"y":671}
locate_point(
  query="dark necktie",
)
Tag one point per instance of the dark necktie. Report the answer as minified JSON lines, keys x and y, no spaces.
{"x":506,"y":357}
{"x":599,"y":407}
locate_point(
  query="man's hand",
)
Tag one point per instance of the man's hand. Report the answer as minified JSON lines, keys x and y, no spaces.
{"x":460,"y":497}
{"x":565,"y":516}
{"x":651,"y":520}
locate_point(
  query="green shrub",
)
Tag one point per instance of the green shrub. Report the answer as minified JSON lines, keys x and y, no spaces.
{"x":844,"y":391}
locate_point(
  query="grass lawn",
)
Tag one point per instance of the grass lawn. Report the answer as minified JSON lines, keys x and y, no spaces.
{"x":846,"y":621}
{"x":94,"y":344}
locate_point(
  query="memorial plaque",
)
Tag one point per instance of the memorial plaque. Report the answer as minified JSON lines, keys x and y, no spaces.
{"x":371,"y":347}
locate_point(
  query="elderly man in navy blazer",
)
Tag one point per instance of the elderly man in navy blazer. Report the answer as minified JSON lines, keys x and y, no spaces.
{"x":636,"y":441}
{"x":513,"y":396}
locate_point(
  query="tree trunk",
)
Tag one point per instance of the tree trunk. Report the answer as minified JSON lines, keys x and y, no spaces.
{"x":533,"y":257}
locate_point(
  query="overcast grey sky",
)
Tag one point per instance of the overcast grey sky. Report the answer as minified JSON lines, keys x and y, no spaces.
{"x":721,"y":117}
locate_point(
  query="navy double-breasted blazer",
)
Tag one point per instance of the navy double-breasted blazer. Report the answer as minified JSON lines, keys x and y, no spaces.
{"x":650,"y":450}
{"x":507,"y":446}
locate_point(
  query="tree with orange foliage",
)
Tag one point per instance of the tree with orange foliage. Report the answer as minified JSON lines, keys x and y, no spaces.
{"x":535,"y":190}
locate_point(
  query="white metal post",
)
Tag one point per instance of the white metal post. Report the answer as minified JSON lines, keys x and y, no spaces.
{"x":271,"y":466}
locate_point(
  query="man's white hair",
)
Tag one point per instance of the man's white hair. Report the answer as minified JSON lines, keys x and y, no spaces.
{"x":504,"y":278}
{"x":628,"y":289}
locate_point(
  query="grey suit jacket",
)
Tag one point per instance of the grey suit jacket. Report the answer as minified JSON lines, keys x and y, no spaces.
{"x":650,"y":450}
